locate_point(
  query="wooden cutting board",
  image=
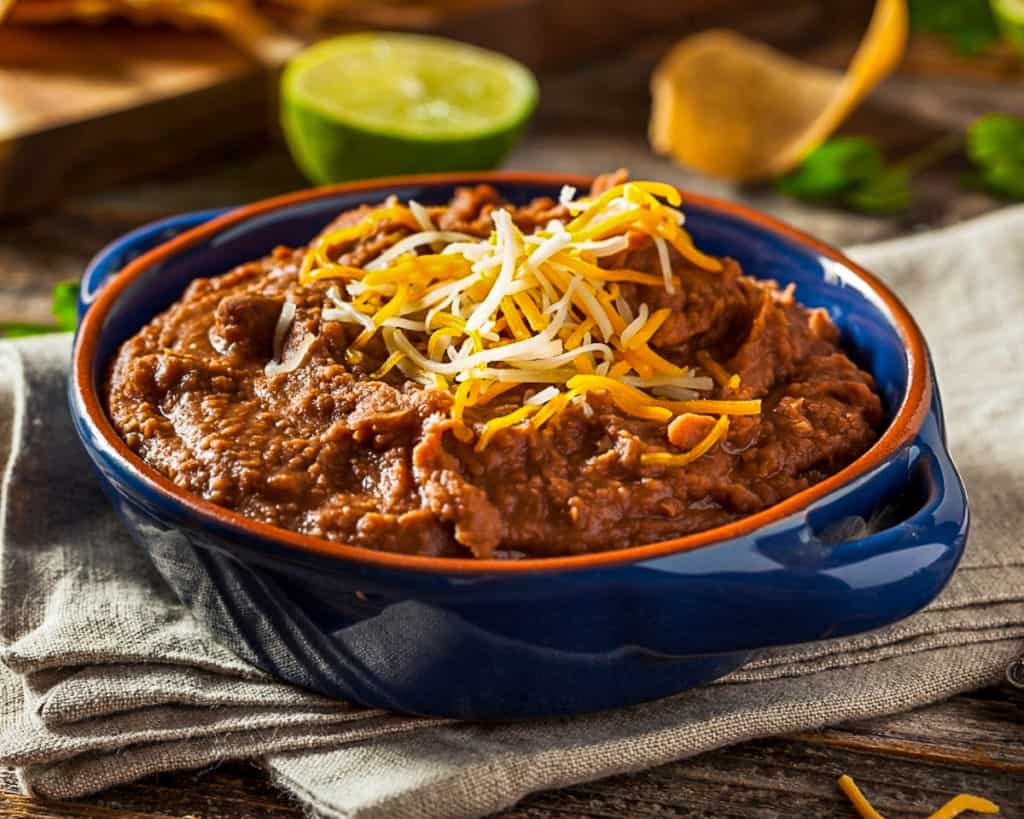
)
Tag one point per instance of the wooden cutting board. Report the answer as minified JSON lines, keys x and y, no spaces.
{"x":83,"y":107}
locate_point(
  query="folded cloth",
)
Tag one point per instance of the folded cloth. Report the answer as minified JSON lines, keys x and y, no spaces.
{"x":106,"y":677}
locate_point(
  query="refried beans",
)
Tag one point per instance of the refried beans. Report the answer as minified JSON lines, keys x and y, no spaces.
{"x":328,"y":447}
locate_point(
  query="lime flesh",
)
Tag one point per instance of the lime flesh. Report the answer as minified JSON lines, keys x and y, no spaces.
{"x":365,"y":105}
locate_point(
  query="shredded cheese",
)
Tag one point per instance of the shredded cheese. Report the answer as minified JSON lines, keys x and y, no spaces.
{"x":503,"y":421}
{"x":421,"y":216}
{"x":284,"y":324}
{"x":293,"y":359}
{"x":715,"y":370}
{"x":644,"y":334}
{"x":954,"y":807}
{"x":478,"y":317}
{"x":543,"y":397}
{"x":857,"y":799}
{"x":388,"y":365}
{"x":409,"y":243}
{"x":964,"y":802}
{"x":718,"y":431}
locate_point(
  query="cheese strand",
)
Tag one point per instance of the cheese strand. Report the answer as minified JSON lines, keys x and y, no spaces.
{"x":478,"y":317}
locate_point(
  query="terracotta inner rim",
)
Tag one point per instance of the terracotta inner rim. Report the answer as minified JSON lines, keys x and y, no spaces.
{"x":900,"y":431}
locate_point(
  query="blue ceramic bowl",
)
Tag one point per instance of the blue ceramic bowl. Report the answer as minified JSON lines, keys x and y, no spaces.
{"x":516,"y":639}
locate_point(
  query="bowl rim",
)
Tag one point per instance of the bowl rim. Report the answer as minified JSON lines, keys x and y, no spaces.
{"x":901,"y":431}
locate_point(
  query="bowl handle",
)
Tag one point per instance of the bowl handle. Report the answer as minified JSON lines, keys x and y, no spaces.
{"x":909,"y":554}
{"x":112,"y":258}
{"x":818,"y":575}
{"x":940,"y":515}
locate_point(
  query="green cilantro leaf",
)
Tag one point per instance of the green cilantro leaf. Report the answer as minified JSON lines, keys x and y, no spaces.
{"x":995,"y":138}
{"x":1005,"y":180}
{"x":833,"y":168}
{"x":65,"y":311}
{"x":65,"y":305}
{"x":850,"y":171}
{"x":967,"y":25}
{"x":18,"y":329}
{"x":886,"y":192}
{"x":995,"y":144}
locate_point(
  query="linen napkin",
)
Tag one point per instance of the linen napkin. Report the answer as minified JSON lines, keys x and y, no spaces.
{"x":106,"y":678}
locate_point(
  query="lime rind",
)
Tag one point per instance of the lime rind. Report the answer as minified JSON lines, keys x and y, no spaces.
{"x":328,"y":152}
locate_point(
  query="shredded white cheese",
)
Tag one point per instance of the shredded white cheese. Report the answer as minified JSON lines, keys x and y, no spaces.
{"x":421,"y":216}
{"x":548,"y":248}
{"x":665,"y":263}
{"x":425,"y":237}
{"x":635,"y":325}
{"x":293,"y":358}
{"x":284,"y":323}
{"x":477,"y":314}
{"x":542,"y":397}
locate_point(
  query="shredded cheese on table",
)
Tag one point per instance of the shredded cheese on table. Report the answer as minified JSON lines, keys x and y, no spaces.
{"x":481,"y":316}
{"x":954,"y":807}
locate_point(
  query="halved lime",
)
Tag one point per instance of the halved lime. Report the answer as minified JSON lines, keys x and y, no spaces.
{"x":1010,"y":15}
{"x":375,"y":104}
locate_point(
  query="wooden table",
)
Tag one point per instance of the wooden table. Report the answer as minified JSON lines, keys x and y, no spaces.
{"x":592,"y":119}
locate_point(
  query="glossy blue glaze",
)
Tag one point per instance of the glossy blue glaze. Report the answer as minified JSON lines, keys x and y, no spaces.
{"x":501,"y":646}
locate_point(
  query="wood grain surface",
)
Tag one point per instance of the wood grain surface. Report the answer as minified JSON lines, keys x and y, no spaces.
{"x":82,"y":107}
{"x":592,"y":118}
{"x":908,"y":765}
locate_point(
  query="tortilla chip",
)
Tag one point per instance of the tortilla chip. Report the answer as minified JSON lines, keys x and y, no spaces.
{"x":737,"y":109}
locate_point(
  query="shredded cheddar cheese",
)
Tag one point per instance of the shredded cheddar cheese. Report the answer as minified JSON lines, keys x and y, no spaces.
{"x":716,"y":370}
{"x":388,"y":365}
{"x":718,"y":431}
{"x":479,"y":317}
{"x":954,"y":807}
{"x":964,"y":802}
{"x":857,"y":799}
{"x":503,"y":421}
